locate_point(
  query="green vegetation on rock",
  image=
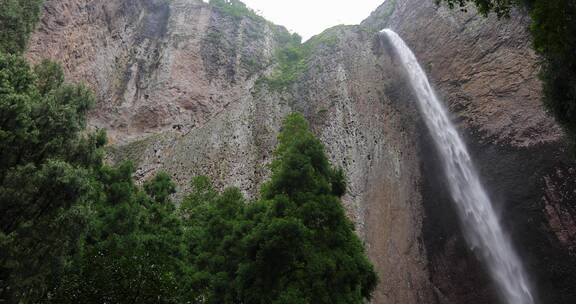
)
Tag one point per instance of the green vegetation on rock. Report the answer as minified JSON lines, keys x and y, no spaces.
{"x":236,"y":9}
{"x":18,"y":19}
{"x":500,"y":7}
{"x":292,"y":58}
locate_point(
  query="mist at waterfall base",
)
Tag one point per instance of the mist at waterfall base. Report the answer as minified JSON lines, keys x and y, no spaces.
{"x":479,"y":220}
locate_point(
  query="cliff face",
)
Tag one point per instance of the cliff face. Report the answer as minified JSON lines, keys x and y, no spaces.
{"x":155,"y":65}
{"x":180,"y":90}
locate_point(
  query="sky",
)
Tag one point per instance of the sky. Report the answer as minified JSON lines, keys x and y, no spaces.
{"x":311,"y":17}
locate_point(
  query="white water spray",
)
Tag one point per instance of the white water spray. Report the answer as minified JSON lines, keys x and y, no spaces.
{"x":480,"y":223}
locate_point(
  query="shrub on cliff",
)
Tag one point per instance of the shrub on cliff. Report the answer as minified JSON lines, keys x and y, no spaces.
{"x":236,"y":9}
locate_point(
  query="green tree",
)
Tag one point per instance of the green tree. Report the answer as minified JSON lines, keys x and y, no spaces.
{"x":71,"y":229}
{"x":553,"y":28}
{"x":214,"y":228}
{"x":18,"y":19}
{"x":304,"y":250}
{"x":49,"y":76}
{"x":45,"y":177}
{"x":134,"y":250}
{"x":293,"y":245}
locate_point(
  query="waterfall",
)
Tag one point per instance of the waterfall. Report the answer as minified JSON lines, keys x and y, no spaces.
{"x":479,"y":221}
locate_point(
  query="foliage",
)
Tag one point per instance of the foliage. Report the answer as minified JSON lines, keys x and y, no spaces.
{"x":235,"y":8}
{"x":292,"y":57}
{"x":294,"y":245}
{"x":553,"y":27}
{"x":73,"y":230}
{"x":500,"y":7}
{"x":17,"y":20}
{"x":291,"y":61}
{"x":133,"y":250}
{"x":45,"y":175}
{"x":50,"y":76}
{"x":306,"y":250}
{"x":214,"y":224}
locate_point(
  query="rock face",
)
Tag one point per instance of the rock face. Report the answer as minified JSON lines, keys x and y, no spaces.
{"x":180,"y":89}
{"x":155,"y":65}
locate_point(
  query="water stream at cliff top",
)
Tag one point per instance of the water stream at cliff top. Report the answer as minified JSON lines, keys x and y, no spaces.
{"x":479,"y":221}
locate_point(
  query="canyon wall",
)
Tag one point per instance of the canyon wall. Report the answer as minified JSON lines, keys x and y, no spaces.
{"x":182,"y":88}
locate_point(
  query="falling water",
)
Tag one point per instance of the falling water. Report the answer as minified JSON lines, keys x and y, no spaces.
{"x":482,"y":229}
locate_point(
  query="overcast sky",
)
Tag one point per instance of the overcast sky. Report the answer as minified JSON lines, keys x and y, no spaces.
{"x":311,"y":17}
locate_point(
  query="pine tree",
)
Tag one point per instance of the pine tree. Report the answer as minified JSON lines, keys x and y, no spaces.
{"x":134,"y":250}
{"x":214,"y":228}
{"x":305,"y":249}
{"x":46,"y":176}
{"x":293,"y":245}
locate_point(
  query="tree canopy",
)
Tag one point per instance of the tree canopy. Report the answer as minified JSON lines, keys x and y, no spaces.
{"x":305,"y":251}
{"x":45,"y":173}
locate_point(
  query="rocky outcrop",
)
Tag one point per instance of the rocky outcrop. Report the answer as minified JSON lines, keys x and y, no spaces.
{"x":180,"y":88}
